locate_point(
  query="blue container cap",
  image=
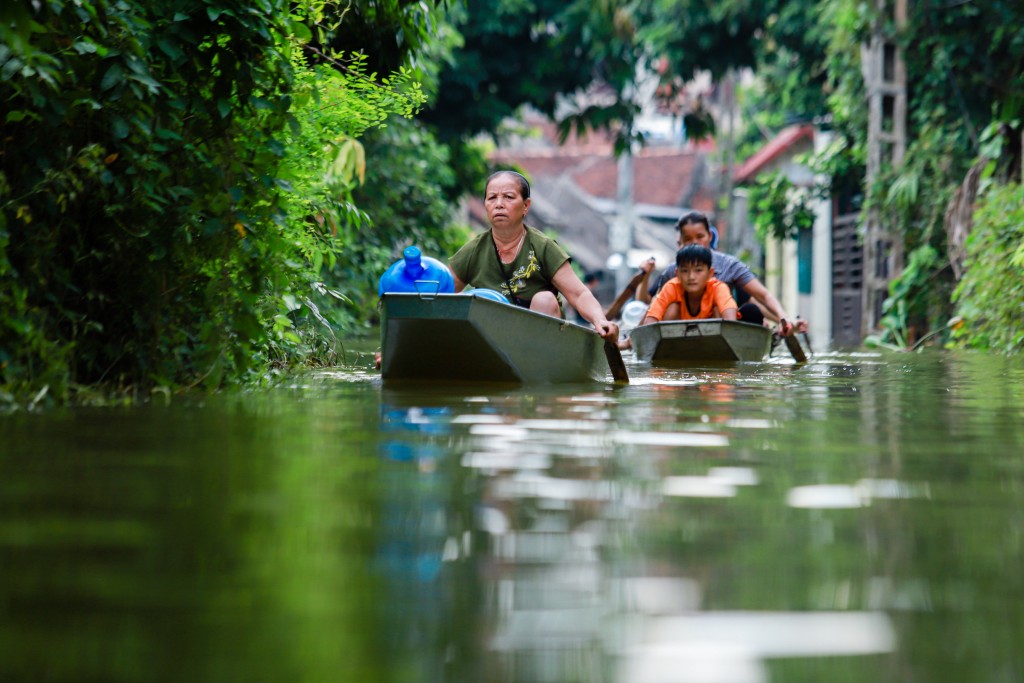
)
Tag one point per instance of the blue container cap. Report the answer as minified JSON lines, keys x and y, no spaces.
{"x":413,"y":261}
{"x":416,"y":273}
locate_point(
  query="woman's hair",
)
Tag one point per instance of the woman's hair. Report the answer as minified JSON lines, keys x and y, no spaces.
{"x":524,"y":184}
{"x":693,"y":253}
{"x":693,"y":217}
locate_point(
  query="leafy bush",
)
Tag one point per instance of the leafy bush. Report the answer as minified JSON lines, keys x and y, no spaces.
{"x":990,"y":297}
{"x":323,"y":167}
{"x":917,"y":302}
{"x":779,"y":208}
{"x":138,"y":154}
{"x":169,"y":189}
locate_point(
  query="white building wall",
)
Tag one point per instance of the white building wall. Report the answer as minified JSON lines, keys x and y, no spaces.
{"x":781,"y":275}
{"x":773,"y":267}
{"x":788,"y":289}
{"x":819,"y":313}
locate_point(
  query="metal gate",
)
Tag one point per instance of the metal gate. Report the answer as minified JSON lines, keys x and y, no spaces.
{"x":847,"y":280}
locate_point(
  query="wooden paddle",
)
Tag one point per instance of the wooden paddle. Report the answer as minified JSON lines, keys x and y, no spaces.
{"x":624,"y":296}
{"x":793,"y":344}
{"x":611,"y":350}
{"x":615,"y":362}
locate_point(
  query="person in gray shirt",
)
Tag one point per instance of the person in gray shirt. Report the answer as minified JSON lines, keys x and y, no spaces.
{"x":694,"y":228}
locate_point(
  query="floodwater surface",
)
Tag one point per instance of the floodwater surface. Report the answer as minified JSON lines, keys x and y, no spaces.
{"x":859,"y":518}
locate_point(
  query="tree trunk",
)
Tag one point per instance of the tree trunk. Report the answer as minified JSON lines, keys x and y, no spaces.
{"x":959,"y":217}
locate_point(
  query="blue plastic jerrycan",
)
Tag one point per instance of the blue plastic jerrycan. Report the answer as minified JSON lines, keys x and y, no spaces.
{"x":416,"y":273}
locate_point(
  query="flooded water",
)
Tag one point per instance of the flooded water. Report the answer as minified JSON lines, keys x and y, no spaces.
{"x":859,"y":518}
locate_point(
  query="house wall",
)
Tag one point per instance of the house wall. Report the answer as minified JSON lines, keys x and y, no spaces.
{"x":781,"y":259}
{"x":819,"y":306}
{"x":780,"y":274}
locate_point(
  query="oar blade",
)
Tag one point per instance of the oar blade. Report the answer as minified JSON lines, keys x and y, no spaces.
{"x":795,"y":350}
{"x":615,"y":362}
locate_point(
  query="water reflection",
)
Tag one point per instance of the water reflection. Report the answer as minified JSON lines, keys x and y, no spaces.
{"x":847,"y":520}
{"x":837,"y":496}
{"x":573,"y":591}
{"x":412,"y":540}
{"x":544,"y":486}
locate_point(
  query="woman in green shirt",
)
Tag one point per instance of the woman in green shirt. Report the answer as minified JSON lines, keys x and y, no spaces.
{"x":521,"y":262}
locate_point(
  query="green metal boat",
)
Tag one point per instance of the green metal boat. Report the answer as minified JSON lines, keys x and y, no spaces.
{"x":711,"y":339}
{"x":464,"y":338}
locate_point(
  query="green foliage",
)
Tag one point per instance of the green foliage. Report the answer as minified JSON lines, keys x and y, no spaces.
{"x":702,"y":35}
{"x":849,"y":23}
{"x":1001,"y":144}
{"x":915,"y":194}
{"x":990,"y":297}
{"x":791,"y":59}
{"x":916,"y":298}
{"x":512,"y":53}
{"x":388,"y":34}
{"x":779,"y":208}
{"x":324,"y":226}
{"x":842,"y":163}
{"x":965,"y":98}
{"x":138,"y":151}
{"x":169,"y":174}
{"x":605,"y":33}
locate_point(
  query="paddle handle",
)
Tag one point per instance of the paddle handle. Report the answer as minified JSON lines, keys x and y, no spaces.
{"x":625,"y":295}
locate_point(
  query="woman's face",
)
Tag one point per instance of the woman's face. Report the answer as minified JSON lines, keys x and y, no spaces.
{"x":504,"y":202}
{"x":694,"y":233}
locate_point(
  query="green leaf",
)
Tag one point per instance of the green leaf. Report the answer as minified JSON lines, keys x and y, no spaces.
{"x":113,"y":77}
{"x":301,"y":32}
{"x":151,"y":84}
{"x":12,"y":67}
{"x":120,"y":128}
{"x":168,"y":134}
{"x":84,"y":47}
{"x":170,"y":49}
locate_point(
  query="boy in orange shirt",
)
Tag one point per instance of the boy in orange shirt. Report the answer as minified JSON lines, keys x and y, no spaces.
{"x":694,"y":292}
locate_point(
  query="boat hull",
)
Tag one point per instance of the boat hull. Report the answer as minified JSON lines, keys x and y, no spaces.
{"x":463,"y":338}
{"x":713,"y":339}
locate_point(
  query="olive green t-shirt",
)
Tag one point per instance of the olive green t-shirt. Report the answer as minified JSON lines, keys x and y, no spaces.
{"x":476,"y":264}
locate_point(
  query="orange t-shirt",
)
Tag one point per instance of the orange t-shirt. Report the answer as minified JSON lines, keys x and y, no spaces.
{"x":717,"y":298}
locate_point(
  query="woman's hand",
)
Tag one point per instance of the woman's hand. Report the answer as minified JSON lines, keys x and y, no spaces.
{"x":608,"y":330}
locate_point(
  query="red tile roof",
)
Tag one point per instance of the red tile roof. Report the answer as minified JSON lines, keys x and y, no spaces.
{"x":661,"y":176}
{"x":771,"y":151}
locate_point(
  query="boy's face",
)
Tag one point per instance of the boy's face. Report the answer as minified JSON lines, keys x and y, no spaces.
{"x":694,"y":233}
{"x":694,"y":276}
